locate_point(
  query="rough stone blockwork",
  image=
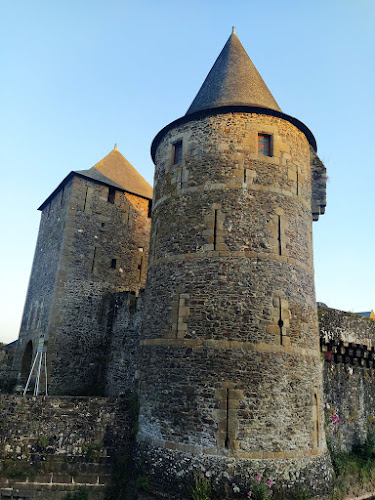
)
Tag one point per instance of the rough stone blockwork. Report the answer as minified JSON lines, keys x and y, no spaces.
{"x":230,"y":363}
{"x":92,"y":243}
{"x":59,"y":444}
{"x":348,"y":352}
{"x":123,"y":311}
{"x":7,"y":375}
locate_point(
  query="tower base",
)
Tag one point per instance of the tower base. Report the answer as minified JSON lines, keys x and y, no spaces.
{"x":171,"y":473}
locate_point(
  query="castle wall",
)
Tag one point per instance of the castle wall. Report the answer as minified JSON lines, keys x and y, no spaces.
{"x":97,"y":233}
{"x":7,"y":374}
{"x":49,"y":447}
{"x":42,"y":284}
{"x":123,"y":311}
{"x":230,"y":362}
{"x":349,"y":372}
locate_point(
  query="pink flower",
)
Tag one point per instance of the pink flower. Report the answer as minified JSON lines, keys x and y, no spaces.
{"x":270,"y":492}
{"x":248,"y":494}
{"x":335,"y":419}
{"x":270,"y":482}
{"x":258,"y":478}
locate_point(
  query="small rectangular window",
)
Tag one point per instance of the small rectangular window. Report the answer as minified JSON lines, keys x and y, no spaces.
{"x":177,"y":154}
{"x":113,"y":264}
{"x":111,"y":195}
{"x":264,"y":145}
{"x":149,"y":209}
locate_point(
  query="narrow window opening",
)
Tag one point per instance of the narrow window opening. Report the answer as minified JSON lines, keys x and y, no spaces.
{"x":93,"y":261}
{"x":244,"y":176}
{"x":227,"y":422}
{"x":181,"y":178}
{"x":264,"y":145}
{"x":140,"y":269}
{"x":178,"y":315}
{"x":177,"y":153}
{"x":113,"y":264}
{"x":84,"y":203}
{"x":111,"y":195}
{"x":297,"y":181}
{"x":215,"y":229}
{"x":279,"y":233}
{"x":280,"y":323}
{"x":149,"y":209}
{"x":317,"y":418}
{"x":103,"y":224}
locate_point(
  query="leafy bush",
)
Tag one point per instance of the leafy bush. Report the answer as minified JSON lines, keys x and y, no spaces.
{"x":202,"y":489}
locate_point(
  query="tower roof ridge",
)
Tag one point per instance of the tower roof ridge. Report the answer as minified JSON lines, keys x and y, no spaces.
{"x":232,"y":81}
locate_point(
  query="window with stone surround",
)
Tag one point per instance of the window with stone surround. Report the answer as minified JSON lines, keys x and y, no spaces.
{"x":264,"y":145}
{"x":177,"y":152}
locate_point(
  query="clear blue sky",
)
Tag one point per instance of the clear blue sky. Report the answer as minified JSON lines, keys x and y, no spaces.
{"x":76,"y":76}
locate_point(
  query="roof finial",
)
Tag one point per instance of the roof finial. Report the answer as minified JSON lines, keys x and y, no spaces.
{"x":115,"y":146}
{"x":233,"y":30}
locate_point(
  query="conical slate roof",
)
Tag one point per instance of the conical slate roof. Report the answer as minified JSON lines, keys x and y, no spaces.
{"x":117,"y":168}
{"x":233,"y":81}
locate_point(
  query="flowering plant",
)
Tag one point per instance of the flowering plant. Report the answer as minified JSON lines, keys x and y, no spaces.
{"x":260,"y":490}
{"x":335,"y":419}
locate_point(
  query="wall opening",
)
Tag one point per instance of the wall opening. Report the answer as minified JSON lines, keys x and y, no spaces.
{"x":84,"y":203}
{"x":27,"y":360}
{"x":280,"y":323}
{"x":111,"y":195}
{"x":215,"y":229}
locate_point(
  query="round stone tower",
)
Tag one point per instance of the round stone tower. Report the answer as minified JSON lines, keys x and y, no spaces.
{"x":231,"y":379}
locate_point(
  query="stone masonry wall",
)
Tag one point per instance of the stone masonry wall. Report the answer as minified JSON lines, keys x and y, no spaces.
{"x":100,"y":248}
{"x":7,"y":375}
{"x":42,"y":284}
{"x":230,"y":362}
{"x":123,"y":311}
{"x":348,"y":342}
{"x":51,"y":446}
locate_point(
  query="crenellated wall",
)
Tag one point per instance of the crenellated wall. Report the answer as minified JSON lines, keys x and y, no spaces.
{"x":347,"y":343}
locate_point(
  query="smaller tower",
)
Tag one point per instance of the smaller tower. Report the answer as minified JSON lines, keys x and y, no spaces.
{"x":93,"y":241}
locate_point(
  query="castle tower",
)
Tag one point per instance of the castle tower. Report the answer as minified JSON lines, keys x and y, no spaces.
{"x":231,"y":379}
{"x":93,"y":241}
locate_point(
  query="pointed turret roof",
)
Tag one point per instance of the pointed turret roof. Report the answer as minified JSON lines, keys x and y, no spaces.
{"x":233,"y":81}
{"x":117,"y":169}
{"x":233,"y":85}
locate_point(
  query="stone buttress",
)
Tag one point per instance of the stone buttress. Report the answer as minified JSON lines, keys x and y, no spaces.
{"x":231,"y":378}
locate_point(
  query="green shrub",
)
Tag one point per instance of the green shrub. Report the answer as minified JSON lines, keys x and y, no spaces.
{"x":202,"y":489}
